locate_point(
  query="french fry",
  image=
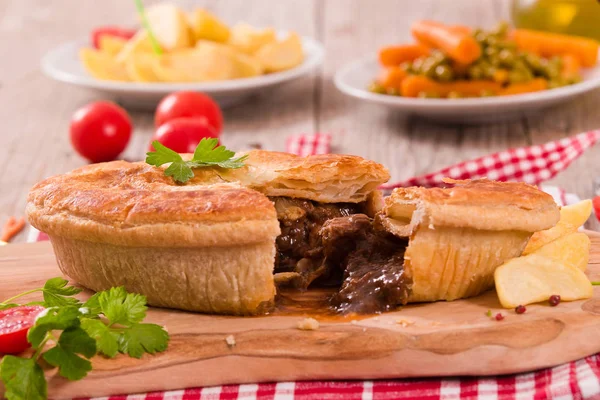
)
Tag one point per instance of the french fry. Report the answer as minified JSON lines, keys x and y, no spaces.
{"x":571,"y":218}
{"x":572,"y":250}
{"x":534,"y":278}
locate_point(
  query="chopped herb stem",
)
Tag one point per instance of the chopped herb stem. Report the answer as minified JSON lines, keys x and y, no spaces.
{"x":140,"y":9}
{"x":21,"y":295}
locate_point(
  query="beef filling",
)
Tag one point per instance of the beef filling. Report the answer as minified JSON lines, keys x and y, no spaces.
{"x":299,"y":247}
{"x":333,"y":244}
{"x":373,"y":263}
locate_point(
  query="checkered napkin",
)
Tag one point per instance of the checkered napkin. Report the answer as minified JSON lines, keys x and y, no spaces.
{"x":575,"y":380}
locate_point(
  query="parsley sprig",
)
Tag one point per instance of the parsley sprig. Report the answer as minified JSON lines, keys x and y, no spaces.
{"x":68,"y":333}
{"x":207,"y":154}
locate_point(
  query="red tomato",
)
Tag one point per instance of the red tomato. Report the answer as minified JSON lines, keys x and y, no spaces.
{"x":189,"y":104}
{"x":111,"y":31}
{"x":14,"y":324}
{"x":100,"y":131}
{"x":596,"y":203}
{"x":183,"y":134}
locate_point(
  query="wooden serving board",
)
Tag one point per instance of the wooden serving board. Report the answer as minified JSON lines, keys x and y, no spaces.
{"x":436,"y":339}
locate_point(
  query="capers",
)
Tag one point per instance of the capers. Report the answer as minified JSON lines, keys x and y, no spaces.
{"x":444,"y":73}
{"x":429,"y":95}
{"x":375,"y":87}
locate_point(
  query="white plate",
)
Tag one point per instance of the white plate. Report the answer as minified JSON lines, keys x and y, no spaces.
{"x":63,"y":64}
{"x":354,"y":78}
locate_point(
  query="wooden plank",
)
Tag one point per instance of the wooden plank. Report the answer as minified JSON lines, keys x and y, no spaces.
{"x":36,"y":110}
{"x":437,"y":339}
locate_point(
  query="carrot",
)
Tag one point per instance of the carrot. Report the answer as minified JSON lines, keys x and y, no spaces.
{"x":12,"y":228}
{"x":465,"y":30}
{"x":534,"y":85}
{"x":391,"y":78}
{"x":456,"y":45}
{"x":414,"y":84}
{"x":548,"y":44}
{"x":393,"y":56}
{"x":570,"y":66}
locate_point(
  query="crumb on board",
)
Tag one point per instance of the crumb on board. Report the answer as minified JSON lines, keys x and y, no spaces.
{"x":404,"y":323}
{"x":230,"y":340}
{"x":308,"y":324}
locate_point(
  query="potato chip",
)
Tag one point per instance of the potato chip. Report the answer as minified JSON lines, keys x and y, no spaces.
{"x":572,"y":250}
{"x":571,"y":218}
{"x":249,"y":39}
{"x":111,"y":45}
{"x":282,"y":55}
{"x":102,"y":66}
{"x":139,"y":67}
{"x":195,"y":65}
{"x":140,"y":43}
{"x":208,"y":27}
{"x":534,"y":278}
{"x":169,"y":25}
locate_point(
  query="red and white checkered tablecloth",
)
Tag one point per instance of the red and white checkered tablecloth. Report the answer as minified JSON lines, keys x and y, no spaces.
{"x":573,"y":381}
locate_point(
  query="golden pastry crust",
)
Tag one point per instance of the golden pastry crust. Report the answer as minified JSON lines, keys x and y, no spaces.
{"x":458,"y":236}
{"x":326,"y":178}
{"x":479,"y":204}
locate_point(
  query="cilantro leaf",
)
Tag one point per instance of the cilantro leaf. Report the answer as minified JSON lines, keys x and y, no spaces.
{"x":207,"y":154}
{"x":121,"y":307}
{"x":57,"y":293}
{"x":141,"y":338}
{"x":55,"y":319}
{"x":107,"y":341}
{"x":23,"y":379}
{"x":64,"y":355}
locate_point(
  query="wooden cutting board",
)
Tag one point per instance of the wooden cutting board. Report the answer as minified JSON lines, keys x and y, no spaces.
{"x":436,"y":339}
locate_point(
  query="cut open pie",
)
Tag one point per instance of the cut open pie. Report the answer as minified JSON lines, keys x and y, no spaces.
{"x":222,"y":242}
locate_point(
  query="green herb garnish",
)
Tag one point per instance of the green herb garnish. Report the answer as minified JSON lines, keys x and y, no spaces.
{"x":110,"y":322}
{"x":207,"y":154}
{"x":155,"y":45}
{"x":595,"y":283}
{"x":489,"y":313}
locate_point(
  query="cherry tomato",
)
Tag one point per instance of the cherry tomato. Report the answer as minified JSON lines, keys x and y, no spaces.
{"x":111,"y":31}
{"x":596,"y":203}
{"x":183,"y":134}
{"x":14,"y":324}
{"x":189,"y":104}
{"x":100,"y":131}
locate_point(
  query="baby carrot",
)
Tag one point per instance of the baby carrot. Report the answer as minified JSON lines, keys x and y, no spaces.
{"x":414,"y":84}
{"x":391,"y":78}
{"x":465,"y":30}
{"x":548,"y":44}
{"x":12,"y":228}
{"x":393,"y":56}
{"x":459,"y":46}
{"x":570,"y":66}
{"x":534,"y":85}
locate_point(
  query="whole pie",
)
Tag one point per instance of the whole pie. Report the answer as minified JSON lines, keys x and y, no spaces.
{"x":226,"y":239}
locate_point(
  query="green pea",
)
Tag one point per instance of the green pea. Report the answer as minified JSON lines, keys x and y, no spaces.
{"x":518,"y":76}
{"x":557,"y":82}
{"x":501,"y":29}
{"x":486,"y":93}
{"x":505,"y":44}
{"x":507,"y":58}
{"x":491,"y":40}
{"x":475,"y":72}
{"x":455,"y":95}
{"x":444,"y":73}
{"x":429,"y":95}
{"x":407,"y":66}
{"x":393,"y":92}
{"x":438,"y":56}
{"x":428,"y":67}
{"x":533,"y":61}
{"x":375,"y":87}
{"x":417,"y":64}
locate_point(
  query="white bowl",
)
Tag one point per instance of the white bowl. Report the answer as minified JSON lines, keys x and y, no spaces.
{"x":63,"y":64}
{"x":354,"y":79}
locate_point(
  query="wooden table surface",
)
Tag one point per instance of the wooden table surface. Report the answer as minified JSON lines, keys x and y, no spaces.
{"x":35,"y":111}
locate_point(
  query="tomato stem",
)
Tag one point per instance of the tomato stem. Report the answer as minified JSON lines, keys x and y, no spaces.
{"x":21,"y":295}
{"x":140,"y":9}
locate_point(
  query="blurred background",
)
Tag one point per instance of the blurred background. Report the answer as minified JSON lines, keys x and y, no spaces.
{"x":35,"y":111}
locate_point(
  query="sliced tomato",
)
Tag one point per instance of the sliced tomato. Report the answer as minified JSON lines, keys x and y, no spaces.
{"x":14,"y":324}
{"x":117,"y":31}
{"x":596,"y":203}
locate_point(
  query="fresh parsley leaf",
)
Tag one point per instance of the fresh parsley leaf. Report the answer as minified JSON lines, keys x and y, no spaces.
{"x":141,"y":338}
{"x":23,"y":379}
{"x":121,"y":307}
{"x":208,"y":153}
{"x":107,"y":341}
{"x":64,"y":355}
{"x":58,"y":318}
{"x":57,"y":293}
